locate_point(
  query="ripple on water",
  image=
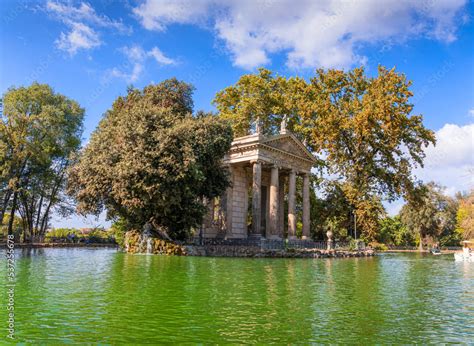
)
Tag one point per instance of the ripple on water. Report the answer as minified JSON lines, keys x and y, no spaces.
{"x":101,"y":295}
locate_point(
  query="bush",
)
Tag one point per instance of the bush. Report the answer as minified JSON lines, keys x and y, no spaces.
{"x":118,"y":230}
{"x":61,"y":235}
{"x":378,"y":246}
{"x":72,"y":235}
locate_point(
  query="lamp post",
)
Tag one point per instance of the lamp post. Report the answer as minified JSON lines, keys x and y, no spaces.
{"x":355,"y":224}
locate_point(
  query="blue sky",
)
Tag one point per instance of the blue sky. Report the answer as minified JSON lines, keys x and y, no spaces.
{"x":91,"y":51}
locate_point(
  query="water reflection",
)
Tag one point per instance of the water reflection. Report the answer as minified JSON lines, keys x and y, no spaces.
{"x":71,"y":295}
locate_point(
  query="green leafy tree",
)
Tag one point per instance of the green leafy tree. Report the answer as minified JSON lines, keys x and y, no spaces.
{"x":16,"y":228}
{"x":429,"y":213}
{"x":151,"y":162}
{"x":393,"y":231}
{"x":333,"y":208}
{"x":40,"y":130}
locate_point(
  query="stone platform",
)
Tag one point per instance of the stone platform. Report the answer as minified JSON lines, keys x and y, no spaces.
{"x":259,"y":252}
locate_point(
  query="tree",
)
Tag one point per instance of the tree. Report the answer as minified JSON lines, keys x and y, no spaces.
{"x":40,"y":130}
{"x":393,"y":231}
{"x":331,"y":209}
{"x":151,"y":162}
{"x":429,"y":213}
{"x":361,"y":125}
{"x":465,"y":216}
{"x":254,"y":97}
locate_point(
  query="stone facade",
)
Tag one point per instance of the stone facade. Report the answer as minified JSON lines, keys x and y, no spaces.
{"x":262,"y":170}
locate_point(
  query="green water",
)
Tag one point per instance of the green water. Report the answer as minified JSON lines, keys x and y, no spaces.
{"x":98,"y":295}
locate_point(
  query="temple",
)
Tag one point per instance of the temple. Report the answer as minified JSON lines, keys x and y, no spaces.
{"x":263,"y":172}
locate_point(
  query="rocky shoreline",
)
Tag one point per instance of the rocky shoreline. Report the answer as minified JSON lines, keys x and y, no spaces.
{"x":257,"y":252}
{"x":60,"y":245}
{"x":139,"y":243}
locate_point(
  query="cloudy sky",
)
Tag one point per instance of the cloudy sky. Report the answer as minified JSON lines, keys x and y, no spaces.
{"x":91,"y":51}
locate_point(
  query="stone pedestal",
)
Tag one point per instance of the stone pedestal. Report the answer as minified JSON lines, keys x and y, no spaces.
{"x":329,"y":234}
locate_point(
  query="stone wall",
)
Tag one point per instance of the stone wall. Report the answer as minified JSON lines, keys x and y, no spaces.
{"x":238,"y":224}
{"x":258,"y":252}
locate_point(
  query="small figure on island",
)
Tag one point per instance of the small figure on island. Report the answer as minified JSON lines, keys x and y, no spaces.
{"x":435,"y":250}
{"x":71,"y":237}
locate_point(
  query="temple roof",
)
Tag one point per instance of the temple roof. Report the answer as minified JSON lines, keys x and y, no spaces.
{"x":283,"y":149}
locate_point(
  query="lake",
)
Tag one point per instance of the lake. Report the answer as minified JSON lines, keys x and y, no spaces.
{"x":103,"y":295}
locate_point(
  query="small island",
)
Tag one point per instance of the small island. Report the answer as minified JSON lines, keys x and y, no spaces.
{"x":246,"y":172}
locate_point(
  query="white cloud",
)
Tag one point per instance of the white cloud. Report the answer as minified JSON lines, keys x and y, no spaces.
{"x":83,"y":23}
{"x":80,"y":36}
{"x":471,"y":112}
{"x":130,"y":77}
{"x":134,"y":53}
{"x":160,"y":58}
{"x":137,"y":57}
{"x":311,"y":33}
{"x":451,"y":162}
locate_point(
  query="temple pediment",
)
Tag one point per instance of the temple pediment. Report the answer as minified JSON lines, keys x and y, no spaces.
{"x":288,"y":143}
{"x":283,"y":150}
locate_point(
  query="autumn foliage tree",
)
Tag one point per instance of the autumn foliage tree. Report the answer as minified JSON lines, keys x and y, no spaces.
{"x":465,"y":216}
{"x":151,"y":161}
{"x":362,"y":126}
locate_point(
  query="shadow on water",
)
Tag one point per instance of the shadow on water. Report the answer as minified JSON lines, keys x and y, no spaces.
{"x":82,"y":295}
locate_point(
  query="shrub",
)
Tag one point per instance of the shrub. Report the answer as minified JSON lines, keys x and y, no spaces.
{"x":378,"y":246}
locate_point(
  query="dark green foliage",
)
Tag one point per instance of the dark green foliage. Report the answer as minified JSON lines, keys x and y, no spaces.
{"x":394,"y":232}
{"x":151,"y":161}
{"x":429,"y":214}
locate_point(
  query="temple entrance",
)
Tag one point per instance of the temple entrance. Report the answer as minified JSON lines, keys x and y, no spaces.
{"x":263,"y":170}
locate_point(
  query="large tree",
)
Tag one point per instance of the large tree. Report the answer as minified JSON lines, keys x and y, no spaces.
{"x":429,"y":213}
{"x":150,"y":161}
{"x":40,"y":130}
{"x":465,"y":216}
{"x":362,"y":126}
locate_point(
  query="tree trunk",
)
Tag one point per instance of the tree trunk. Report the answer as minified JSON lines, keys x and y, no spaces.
{"x":54,"y":192}
{"x":35,"y":229}
{"x":26,"y":216}
{"x":44,"y":222}
{"x":6,"y":199}
{"x":420,"y":246}
{"x":12,"y":214}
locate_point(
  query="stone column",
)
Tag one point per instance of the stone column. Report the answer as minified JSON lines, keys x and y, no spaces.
{"x":291,"y":205}
{"x":256,"y":200}
{"x":306,"y":207}
{"x":229,"y":204}
{"x":281,"y":206}
{"x":274,"y":194}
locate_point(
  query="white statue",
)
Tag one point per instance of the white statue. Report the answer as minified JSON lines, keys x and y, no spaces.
{"x":258,"y":126}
